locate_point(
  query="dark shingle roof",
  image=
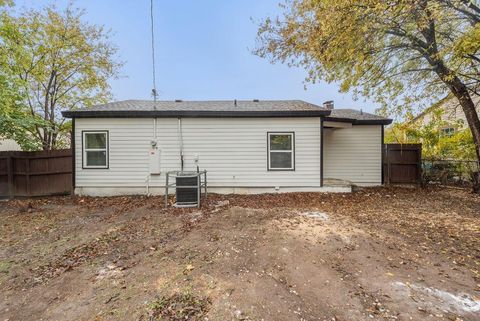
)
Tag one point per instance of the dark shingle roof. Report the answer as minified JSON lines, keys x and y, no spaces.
{"x":214,"y":108}
{"x":217,"y":108}
{"x":208,"y":105}
{"x":356,"y":116}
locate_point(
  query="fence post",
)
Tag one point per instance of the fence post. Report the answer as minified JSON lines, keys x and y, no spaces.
{"x":10,"y":176}
{"x":27,"y":175}
{"x":389,"y":165}
{"x":419,"y":167}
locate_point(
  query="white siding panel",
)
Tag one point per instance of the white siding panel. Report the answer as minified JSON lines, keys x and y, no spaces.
{"x":233,"y":151}
{"x":9,"y":145}
{"x":354,"y":154}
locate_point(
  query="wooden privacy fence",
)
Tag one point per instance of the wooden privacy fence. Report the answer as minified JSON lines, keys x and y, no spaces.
{"x":402,"y":163}
{"x":44,"y":173}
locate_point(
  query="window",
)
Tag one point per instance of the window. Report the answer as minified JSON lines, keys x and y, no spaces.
{"x":447,"y":131}
{"x":281,"y":151}
{"x":95,"y":149}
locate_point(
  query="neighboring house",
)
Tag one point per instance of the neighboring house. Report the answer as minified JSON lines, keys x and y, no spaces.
{"x":246,"y":146}
{"x":9,"y":145}
{"x":63,"y":142}
{"x":451,"y":113}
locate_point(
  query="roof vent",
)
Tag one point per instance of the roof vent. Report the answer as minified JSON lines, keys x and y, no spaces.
{"x":328,"y":104}
{"x":178,"y":100}
{"x":256,"y":100}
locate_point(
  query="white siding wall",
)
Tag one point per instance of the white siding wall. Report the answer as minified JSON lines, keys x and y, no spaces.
{"x":233,"y":151}
{"x":354,"y":154}
{"x":9,"y":145}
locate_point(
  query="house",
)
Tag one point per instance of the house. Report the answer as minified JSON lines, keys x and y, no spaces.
{"x":9,"y":145}
{"x":246,"y":146}
{"x":450,"y":112}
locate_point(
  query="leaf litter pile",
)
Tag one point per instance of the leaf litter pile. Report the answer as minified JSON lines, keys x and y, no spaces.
{"x":375,"y":254}
{"x":179,"y":307}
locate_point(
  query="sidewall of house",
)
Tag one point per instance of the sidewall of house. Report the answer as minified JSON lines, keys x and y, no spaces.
{"x":354,"y":154}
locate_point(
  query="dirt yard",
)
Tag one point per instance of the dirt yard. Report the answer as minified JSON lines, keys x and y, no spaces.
{"x":376,"y":254}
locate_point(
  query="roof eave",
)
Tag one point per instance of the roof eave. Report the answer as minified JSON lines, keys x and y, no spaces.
{"x":190,"y":113}
{"x":384,"y":121}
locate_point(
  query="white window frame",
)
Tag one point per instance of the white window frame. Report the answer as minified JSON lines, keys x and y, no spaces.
{"x":85,"y":150}
{"x":292,"y":151}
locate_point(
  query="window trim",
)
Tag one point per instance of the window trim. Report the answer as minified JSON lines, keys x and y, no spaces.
{"x":292,"y":168}
{"x":84,"y":150}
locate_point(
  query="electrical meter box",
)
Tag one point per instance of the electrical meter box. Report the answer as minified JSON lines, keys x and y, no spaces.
{"x":154,"y":159}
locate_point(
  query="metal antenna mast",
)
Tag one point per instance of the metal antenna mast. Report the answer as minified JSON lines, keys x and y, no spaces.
{"x":154,"y":90}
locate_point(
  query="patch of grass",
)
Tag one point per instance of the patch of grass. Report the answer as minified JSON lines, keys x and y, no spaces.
{"x":179,"y":306}
{"x":5,"y":266}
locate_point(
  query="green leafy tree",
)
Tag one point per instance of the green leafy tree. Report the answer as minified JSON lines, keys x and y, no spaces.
{"x":15,"y":121}
{"x":401,"y":53}
{"x":56,"y":62}
{"x":435,"y":143}
{"x":13,"y":118}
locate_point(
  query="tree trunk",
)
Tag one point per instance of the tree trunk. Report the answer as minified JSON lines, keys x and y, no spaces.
{"x":430,"y":51}
{"x":476,"y":181}
{"x":471,"y":114}
{"x":473,"y":122}
{"x":460,"y":91}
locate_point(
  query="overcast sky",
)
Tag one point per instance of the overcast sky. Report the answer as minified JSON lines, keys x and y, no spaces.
{"x":203,"y":51}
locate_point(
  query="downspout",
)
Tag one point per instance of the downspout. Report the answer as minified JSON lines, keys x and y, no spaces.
{"x":73,"y":155}
{"x":382,"y":147}
{"x":321,"y":151}
{"x":180,"y":142}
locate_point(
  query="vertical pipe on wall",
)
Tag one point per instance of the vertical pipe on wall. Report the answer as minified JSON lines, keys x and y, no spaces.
{"x":180,"y":141}
{"x":382,"y":146}
{"x":321,"y":151}
{"x":155,"y":129}
{"x":72,"y":146}
{"x":154,"y":145}
{"x":147,"y":185}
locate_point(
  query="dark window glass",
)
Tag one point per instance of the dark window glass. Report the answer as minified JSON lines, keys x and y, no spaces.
{"x":280,"y":160}
{"x":96,"y":158}
{"x":95,"y":140}
{"x":280,"y":142}
{"x":448,"y":131}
